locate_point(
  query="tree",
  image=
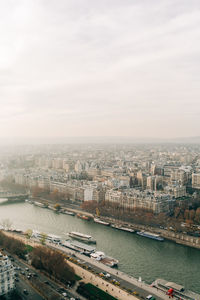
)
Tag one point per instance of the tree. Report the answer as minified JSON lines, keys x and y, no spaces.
{"x":54,"y":195}
{"x":43,"y":238}
{"x":197,"y":215}
{"x":52,"y":262}
{"x":186,"y":214}
{"x":6,"y":224}
{"x":29,"y":233}
{"x":192,"y":214}
{"x":177,"y":211}
{"x":57,"y":206}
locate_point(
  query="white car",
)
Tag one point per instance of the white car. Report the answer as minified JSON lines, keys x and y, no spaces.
{"x":107,"y":275}
{"x":149,"y":297}
{"x":64,"y":294}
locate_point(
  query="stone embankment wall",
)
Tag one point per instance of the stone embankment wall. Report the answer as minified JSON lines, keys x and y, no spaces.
{"x":104,"y":285}
{"x":181,"y":238}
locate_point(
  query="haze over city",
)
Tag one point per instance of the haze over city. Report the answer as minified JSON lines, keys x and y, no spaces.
{"x":99,"y":68}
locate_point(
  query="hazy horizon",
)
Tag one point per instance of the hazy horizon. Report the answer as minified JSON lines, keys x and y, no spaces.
{"x":112,"y":68}
{"x":96,"y":140}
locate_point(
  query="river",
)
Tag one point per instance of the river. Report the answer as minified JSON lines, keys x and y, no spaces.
{"x":138,"y":256}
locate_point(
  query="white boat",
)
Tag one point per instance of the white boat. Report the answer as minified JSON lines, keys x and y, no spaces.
{"x":70,"y":213}
{"x":79,"y":247}
{"x":49,"y":237}
{"x":150,"y":235}
{"x":39,"y":204}
{"x":127,"y":229}
{"x":99,"y":221}
{"x":53,"y":238}
{"x":83,"y":237}
{"x":104,"y":259}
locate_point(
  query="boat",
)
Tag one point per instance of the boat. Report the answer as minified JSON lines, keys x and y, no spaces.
{"x":29,"y":201}
{"x":79,"y":247}
{"x":39,"y":204}
{"x":83,"y":217}
{"x":104,"y":259}
{"x":150,"y":235}
{"x":175,"y":290}
{"x":99,"y":221}
{"x":127,"y":229}
{"x":53,"y":238}
{"x":70,"y":213}
{"x":83,"y":237}
{"x":49,"y":237}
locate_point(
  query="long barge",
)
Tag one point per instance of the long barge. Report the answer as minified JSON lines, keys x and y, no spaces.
{"x":123,"y":228}
{"x":99,"y":221}
{"x":150,"y":235}
{"x":82,"y":237}
{"x":79,"y":247}
{"x":104,"y":259}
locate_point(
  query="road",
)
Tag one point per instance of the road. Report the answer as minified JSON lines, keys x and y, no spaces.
{"x":125,"y":280}
{"x":38,"y":285}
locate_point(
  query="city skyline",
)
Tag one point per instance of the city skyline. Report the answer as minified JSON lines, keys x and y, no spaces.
{"x":115,"y":68}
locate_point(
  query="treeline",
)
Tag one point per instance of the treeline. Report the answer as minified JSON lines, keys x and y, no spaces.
{"x":43,"y":258}
{"x":187,"y":214}
{"x":54,"y":195}
{"x":14,"y":246}
{"x":9,"y":184}
{"x":190,"y":215}
{"x":54,"y":263}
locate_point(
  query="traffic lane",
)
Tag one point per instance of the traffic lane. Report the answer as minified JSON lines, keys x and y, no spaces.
{"x":126,"y":284}
{"x":141,"y":288}
{"x":29,"y":270}
{"x":22,"y":285}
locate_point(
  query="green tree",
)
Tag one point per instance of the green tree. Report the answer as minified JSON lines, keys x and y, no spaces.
{"x":43,"y":238}
{"x":29,"y":233}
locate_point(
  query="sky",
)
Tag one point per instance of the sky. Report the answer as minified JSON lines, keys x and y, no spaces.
{"x":126,"y":68}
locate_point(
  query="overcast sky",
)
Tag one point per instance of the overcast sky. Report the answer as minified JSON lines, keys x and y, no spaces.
{"x":99,"y":68}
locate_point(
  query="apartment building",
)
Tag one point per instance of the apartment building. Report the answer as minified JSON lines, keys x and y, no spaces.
{"x":196,"y":180}
{"x":7,"y":275}
{"x":134,"y":199}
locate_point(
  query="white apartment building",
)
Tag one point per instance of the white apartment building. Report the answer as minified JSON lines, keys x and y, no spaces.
{"x":134,"y":199}
{"x":88,"y":194}
{"x":177,"y":191}
{"x":196,"y":180}
{"x":7,"y":275}
{"x":178,"y":176}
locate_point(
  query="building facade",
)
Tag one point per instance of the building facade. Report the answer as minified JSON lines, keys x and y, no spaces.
{"x":7,"y":275}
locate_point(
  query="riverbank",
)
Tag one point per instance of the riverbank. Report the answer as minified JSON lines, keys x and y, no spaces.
{"x":79,"y":263}
{"x":83,"y":273}
{"x":137,"y":256}
{"x":177,"y":237}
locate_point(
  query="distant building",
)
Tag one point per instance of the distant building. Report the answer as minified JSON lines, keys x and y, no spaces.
{"x":142,"y":179}
{"x":146,"y":200}
{"x":178,"y":176}
{"x":196,"y":180}
{"x":177,"y":191}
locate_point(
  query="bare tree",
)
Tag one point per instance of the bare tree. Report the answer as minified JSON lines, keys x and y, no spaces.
{"x":6,"y":224}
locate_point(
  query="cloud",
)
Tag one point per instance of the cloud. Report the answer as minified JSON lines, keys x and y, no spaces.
{"x":99,"y":67}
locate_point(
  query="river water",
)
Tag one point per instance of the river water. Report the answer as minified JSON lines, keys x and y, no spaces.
{"x":138,"y":256}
